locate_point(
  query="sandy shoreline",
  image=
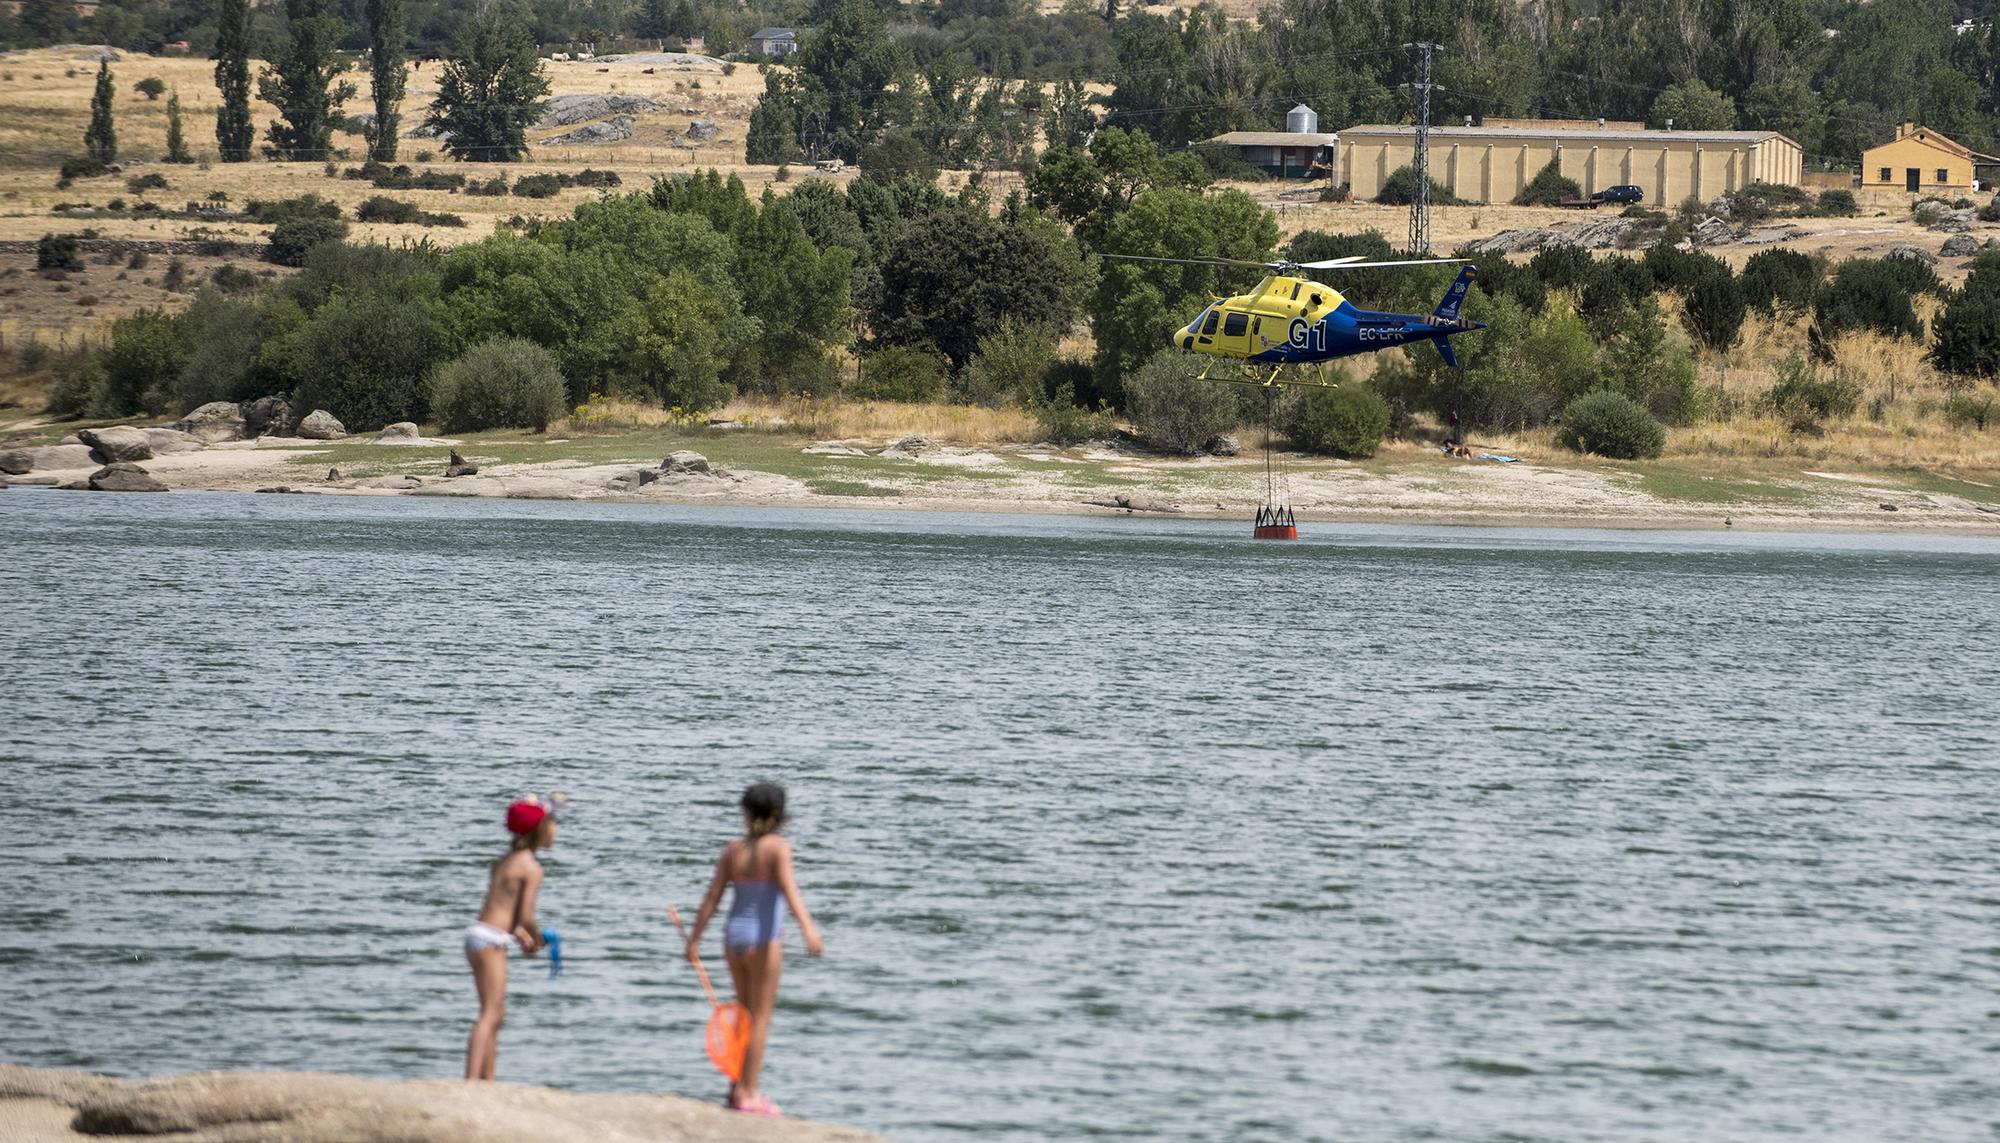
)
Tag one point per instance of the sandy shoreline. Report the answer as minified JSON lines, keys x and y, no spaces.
{"x":39,"y":1105}
{"x":1411,"y":486}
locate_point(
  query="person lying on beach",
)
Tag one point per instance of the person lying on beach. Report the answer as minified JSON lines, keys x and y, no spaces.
{"x":506,"y":923}
{"x":758,"y":866}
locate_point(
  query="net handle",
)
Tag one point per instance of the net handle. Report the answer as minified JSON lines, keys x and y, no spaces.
{"x":698,"y":969}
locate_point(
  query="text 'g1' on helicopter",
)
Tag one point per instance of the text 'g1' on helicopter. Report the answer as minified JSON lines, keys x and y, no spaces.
{"x":1287,"y":320}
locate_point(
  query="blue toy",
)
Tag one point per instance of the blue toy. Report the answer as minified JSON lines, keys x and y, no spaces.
{"x":553,"y":939}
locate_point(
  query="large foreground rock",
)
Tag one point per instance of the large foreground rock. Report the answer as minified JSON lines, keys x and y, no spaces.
{"x":251,"y":1107}
{"x":214,"y":423}
{"x":119,"y":442}
{"x":48,"y":458}
{"x":400,"y":433}
{"x":167,"y":442}
{"x":123,"y":476}
{"x":267,"y":417}
{"x":320,"y":425}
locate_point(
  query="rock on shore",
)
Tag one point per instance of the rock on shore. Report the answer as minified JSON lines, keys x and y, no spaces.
{"x":305,"y":1108}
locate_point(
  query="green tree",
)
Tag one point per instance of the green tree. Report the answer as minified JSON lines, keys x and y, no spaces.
{"x":385,"y":66}
{"x":655,"y":20}
{"x":48,"y":21}
{"x":234,"y":132}
{"x":773,"y":137}
{"x":1174,"y":408}
{"x":100,"y":140}
{"x":301,"y":84}
{"x":1549,"y":187}
{"x":953,"y":277}
{"x":1090,"y":190}
{"x":1965,"y":336}
{"x":491,"y":93}
{"x":1348,"y":422}
{"x":1138,"y":304}
{"x":1693,"y":106}
{"x":177,"y":150}
{"x":1779,"y":279}
{"x":152,"y":87}
{"x":1067,"y":123}
{"x":1714,"y":310}
{"x":847,"y":82}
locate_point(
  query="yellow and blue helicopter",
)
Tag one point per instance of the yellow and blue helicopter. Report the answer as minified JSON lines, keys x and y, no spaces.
{"x":1288,"y":320}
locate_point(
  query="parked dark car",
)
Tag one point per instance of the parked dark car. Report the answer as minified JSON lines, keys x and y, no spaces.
{"x":1622,"y":193}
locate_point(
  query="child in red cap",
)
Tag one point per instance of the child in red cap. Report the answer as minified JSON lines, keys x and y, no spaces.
{"x":506,"y":922}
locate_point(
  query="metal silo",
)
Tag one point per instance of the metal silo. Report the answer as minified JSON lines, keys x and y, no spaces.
{"x":1302,"y":120}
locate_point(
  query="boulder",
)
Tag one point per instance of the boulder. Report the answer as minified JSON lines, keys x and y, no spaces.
{"x":402,"y":432}
{"x":701,"y":130}
{"x":459,"y":466}
{"x":394,"y":483}
{"x":320,"y":425}
{"x":119,"y":442}
{"x":48,"y":458}
{"x":267,"y":417}
{"x":636,"y":478}
{"x":167,"y":442}
{"x":908,"y":447}
{"x":683,"y":463}
{"x":124,"y":476}
{"x":1959,"y":246}
{"x":1225,"y":445}
{"x":616,"y":129}
{"x":1909,"y":253}
{"x":214,"y":422}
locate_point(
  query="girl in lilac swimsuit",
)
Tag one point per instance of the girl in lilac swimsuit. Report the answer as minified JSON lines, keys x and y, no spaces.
{"x":758,"y":866}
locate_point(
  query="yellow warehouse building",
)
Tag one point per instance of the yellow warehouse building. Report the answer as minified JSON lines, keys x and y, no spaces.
{"x":1493,"y":163}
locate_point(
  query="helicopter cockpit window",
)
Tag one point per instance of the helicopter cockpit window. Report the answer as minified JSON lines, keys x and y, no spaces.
{"x":1235,"y":324}
{"x":1208,"y":327}
{"x":1296,"y":287}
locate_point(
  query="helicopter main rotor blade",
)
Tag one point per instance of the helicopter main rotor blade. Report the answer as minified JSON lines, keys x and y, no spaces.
{"x":1195,"y":261}
{"x":1354,"y":263}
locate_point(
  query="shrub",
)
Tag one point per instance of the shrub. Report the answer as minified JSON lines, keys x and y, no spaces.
{"x":1401,"y":186}
{"x":1779,"y":279}
{"x":537,"y":186}
{"x":1063,"y":423}
{"x":291,"y":238}
{"x":82,"y":167}
{"x":1010,"y":365}
{"x":382,"y":208}
{"x":304,"y":206}
{"x":57,"y":252}
{"x":1804,"y":392}
{"x":590,"y":178}
{"x":138,"y":260}
{"x":497,"y":185}
{"x":1611,"y":424}
{"x":503,"y":383}
{"x":176,"y":275}
{"x":1837,"y":203}
{"x":1972,"y":409}
{"x":1965,"y":336}
{"x":1173,"y":408}
{"x":901,"y":373}
{"x":1345,"y":422}
{"x":76,"y":389}
{"x":152,"y":87}
{"x":233,"y":280}
{"x":1871,"y":294}
{"x":145,"y":355}
{"x":1548,"y":188}
{"x":1563,"y":267}
{"x":426,"y":156}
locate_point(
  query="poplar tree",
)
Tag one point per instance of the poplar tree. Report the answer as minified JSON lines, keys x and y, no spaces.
{"x":100,"y":141}
{"x":177,"y":151}
{"x":233,"y":131}
{"x":300,"y":84}
{"x":385,"y":63}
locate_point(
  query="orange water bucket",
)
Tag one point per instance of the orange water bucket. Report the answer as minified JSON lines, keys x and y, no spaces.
{"x":728,"y":1035}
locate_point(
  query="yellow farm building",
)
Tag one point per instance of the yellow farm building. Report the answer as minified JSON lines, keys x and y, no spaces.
{"x":1493,"y":163}
{"x":1921,"y":161}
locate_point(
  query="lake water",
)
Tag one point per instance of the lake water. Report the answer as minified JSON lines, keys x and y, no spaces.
{"x":1115,"y":827}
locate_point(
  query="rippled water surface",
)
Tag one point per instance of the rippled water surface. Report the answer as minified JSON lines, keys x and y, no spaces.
{"x":1115,"y":828}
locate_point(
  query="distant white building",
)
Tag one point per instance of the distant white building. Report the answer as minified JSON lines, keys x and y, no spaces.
{"x":775,"y":42}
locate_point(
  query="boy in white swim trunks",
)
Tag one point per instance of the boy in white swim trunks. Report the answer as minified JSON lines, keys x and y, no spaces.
{"x":506,"y":923}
